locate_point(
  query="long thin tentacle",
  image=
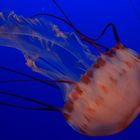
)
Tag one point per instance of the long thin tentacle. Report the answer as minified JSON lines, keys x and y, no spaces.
{"x":69,"y":23}
{"x":62,"y":11}
{"x":80,"y":34}
{"x":26,"y":108}
{"x":67,"y":18}
{"x":46,"y":106}
{"x":27,"y":75}
{"x":19,"y":80}
{"x":60,"y":19}
{"x":104,"y":31}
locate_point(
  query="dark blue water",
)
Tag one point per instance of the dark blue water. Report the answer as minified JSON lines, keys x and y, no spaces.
{"x":90,"y":17}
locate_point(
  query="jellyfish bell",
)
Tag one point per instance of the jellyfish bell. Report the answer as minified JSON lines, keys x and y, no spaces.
{"x":107,"y":98}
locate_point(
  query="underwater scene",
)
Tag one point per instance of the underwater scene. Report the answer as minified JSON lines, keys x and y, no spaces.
{"x":70,"y":70}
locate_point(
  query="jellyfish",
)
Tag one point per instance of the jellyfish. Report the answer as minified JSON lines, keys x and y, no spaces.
{"x":101,"y":93}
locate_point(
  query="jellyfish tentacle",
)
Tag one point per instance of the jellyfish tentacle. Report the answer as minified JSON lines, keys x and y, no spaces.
{"x":51,"y":15}
{"x":26,"y":108}
{"x":62,"y":11}
{"x":27,"y":75}
{"x":46,"y":106}
{"x":39,"y":39}
{"x":104,"y":31}
{"x":34,"y":79}
{"x":82,"y":36}
{"x":69,"y":23}
{"x":102,"y":34}
{"x":20,"y":80}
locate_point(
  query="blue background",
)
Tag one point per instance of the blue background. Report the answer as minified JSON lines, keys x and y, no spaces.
{"x":90,"y":16}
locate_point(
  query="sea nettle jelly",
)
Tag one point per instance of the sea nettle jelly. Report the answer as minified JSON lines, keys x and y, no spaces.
{"x":102,"y":94}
